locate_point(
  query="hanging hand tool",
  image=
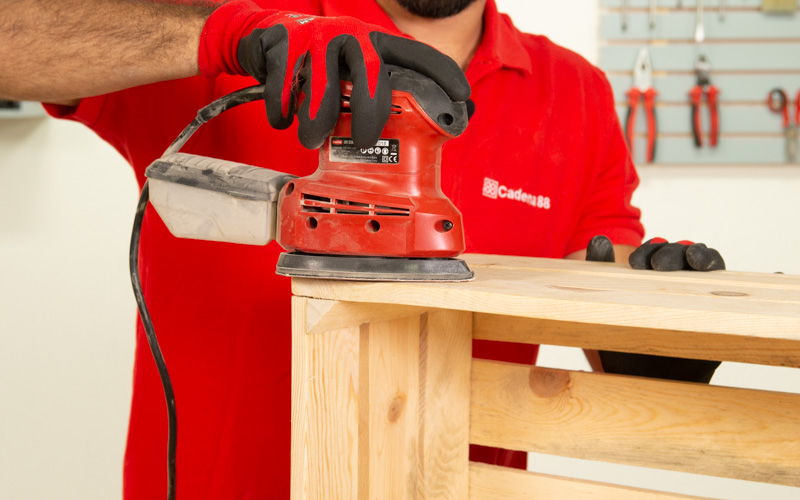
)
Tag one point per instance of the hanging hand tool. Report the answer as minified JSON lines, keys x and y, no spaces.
{"x":704,"y":88}
{"x":626,"y":9}
{"x":642,"y":88}
{"x":778,"y":102}
{"x":699,"y":30}
{"x":653,"y":14}
{"x":721,"y":10}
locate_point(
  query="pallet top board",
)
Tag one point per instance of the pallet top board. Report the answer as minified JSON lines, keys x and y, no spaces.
{"x":759,"y":306}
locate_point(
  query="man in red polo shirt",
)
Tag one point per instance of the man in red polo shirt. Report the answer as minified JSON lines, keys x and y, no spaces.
{"x":540,"y":170}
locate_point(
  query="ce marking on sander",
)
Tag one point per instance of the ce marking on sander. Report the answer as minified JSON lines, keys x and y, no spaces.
{"x":385,"y":149}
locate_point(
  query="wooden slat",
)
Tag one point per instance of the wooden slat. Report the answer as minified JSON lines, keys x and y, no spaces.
{"x":788,"y":282}
{"x":445,"y":367}
{"x":491,"y":482}
{"x":327,"y":315}
{"x":389,"y":387}
{"x":723,"y":303}
{"x":753,"y":56}
{"x":695,"y":345}
{"x":680,"y":25}
{"x":717,"y":431}
{"x":380,"y":410}
{"x":325,"y":419}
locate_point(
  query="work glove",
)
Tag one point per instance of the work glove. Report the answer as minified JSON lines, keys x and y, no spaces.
{"x":675,"y":256}
{"x":661,"y":255}
{"x":293,"y":53}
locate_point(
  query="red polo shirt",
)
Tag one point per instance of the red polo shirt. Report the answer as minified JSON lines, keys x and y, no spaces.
{"x":541,"y":169}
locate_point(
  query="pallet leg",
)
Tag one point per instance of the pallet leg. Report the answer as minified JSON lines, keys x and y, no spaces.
{"x":381,"y":410}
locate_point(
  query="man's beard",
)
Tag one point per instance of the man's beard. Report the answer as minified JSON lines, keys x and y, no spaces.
{"x":435,"y":9}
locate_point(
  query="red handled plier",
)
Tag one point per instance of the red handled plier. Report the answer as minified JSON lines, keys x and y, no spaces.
{"x":778,"y":102}
{"x":642,"y":87}
{"x":703,"y":71}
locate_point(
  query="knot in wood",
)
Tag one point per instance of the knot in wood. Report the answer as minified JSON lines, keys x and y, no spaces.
{"x":396,"y":408}
{"x":547,"y":382}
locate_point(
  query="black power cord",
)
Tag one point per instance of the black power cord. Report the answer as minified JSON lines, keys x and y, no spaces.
{"x":152,"y":340}
{"x":222,"y":104}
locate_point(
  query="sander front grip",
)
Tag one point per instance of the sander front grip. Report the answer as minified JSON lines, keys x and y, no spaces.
{"x":206,"y":198}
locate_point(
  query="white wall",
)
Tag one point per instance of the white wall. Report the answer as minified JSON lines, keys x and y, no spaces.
{"x":67,"y":313}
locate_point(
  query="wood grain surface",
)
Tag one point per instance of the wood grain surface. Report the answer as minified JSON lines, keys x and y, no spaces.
{"x":491,"y":482}
{"x":718,"y":431}
{"x":380,"y":408}
{"x":738,"y":312}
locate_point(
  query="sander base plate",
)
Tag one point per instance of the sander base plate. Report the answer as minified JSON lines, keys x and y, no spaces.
{"x":358,"y":268}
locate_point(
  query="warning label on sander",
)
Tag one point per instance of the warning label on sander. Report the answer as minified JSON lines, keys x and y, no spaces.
{"x":384,"y":151}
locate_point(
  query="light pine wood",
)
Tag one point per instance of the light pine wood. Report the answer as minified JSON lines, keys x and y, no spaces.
{"x":390,"y":378}
{"x":325,"y":406}
{"x":724,"y":303}
{"x":326,"y":315}
{"x":490,"y":482}
{"x":445,"y":366}
{"x":380,"y":410}
{"x":696,"y":345}
{"x":384,"y":405}
{"x":480,"y":261}
{"x":718,"y":431}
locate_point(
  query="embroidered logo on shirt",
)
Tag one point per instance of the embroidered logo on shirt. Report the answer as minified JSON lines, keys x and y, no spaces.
{"x":490,"y":187}
{"x":494,"y":190}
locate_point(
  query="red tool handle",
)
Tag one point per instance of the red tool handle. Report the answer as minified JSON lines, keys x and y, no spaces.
{"x":713,"y":108}
{"x":778,"y":102}
{"x":797,"y":109}
{"x":652,"y":132}
{"x":630,"y":120}
{"x":696,"y":95}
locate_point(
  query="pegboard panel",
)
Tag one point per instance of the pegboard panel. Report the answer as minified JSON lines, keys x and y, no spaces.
{"x":750,"y":52}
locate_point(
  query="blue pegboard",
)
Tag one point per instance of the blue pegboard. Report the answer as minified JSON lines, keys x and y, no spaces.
{"x":750,"y":53}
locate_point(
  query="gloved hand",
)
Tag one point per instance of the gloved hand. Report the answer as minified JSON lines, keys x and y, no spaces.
{"x":660,"y":255}
{"x":648,"y":365}
{"x":292,"y":52}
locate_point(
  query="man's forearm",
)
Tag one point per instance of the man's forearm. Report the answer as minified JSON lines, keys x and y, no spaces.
{"x":59,"y":50}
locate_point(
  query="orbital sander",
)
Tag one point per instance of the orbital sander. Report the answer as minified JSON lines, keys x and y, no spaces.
{"x":371,"y":214}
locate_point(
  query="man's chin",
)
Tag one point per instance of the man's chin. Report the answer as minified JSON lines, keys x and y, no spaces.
{"x":435,"y":9}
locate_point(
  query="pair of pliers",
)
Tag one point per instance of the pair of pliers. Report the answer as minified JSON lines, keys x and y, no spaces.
{"x":642,"y":88}
{"x":704,"y":88}
{"x":778,"y":102}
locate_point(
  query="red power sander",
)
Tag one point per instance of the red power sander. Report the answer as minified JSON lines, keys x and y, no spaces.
{"x":374,"y":214}
{"x":371,"y":214}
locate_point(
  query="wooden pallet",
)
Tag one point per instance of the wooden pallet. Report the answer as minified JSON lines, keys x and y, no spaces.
{"x":386,"y":397}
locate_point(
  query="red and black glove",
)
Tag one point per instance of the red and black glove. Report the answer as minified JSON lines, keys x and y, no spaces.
{"x":293,"y":53}
{"x":661,"y":255}
{"x":675,"y":256}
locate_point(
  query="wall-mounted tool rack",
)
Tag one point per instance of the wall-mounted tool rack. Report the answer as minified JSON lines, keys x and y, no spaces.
{"x":750,"y":52}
